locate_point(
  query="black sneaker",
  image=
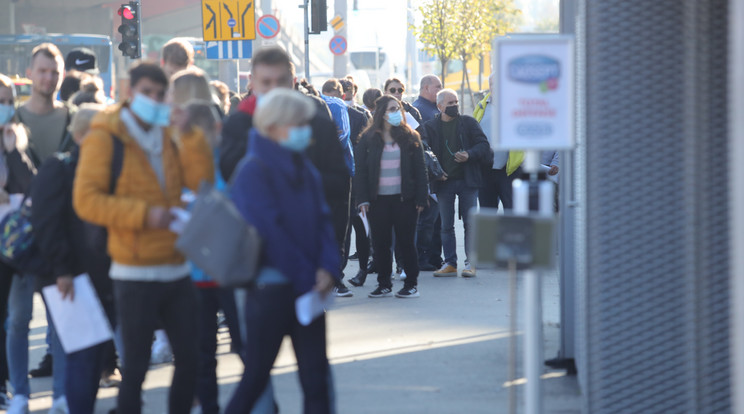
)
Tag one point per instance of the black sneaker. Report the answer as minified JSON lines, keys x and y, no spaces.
{"x":408,"y":292}
{"x":354,"y":256}
{"x":381,"y":292}
{"x":44,"y":369}
{"x":359,"y":279}
{"x":372,"y":267}
{"x":342,"y":291}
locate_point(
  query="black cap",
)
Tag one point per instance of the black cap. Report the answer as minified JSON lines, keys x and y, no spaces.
{"x":82,"y":59}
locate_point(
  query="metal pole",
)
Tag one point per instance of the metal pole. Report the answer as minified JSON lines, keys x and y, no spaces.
{"x":513,"y":336}
{"x":11,"y":15}
{"x":340,"y":62}
{"x":736,"y":169}
{"x":307,"y":41}
{"x":532,"y":305}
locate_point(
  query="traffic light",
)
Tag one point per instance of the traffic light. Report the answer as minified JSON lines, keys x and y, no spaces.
{"x":131,"y":45}
{"x":319,"y":17}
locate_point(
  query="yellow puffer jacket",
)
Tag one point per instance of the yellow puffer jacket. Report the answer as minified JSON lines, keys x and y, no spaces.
{"x":186,"y":163}
{"x":515,"y":157}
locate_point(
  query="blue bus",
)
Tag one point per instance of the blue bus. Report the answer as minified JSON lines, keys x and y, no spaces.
{"x":15,"y":53}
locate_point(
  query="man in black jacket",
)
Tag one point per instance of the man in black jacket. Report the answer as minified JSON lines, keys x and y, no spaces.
{"x":272,"y":68}
{"x":461,"y":146}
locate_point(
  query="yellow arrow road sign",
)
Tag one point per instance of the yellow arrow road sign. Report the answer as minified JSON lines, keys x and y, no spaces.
{"x":228,"y":20}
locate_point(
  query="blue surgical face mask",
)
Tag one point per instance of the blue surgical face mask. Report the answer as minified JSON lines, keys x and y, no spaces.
{"x":149,"y":111}
{"x":6,"y":113}
{"x":298,"y":139}
{"x":395,"y":118}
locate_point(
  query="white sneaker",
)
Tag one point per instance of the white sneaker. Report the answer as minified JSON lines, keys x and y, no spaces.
{"x":161,"y":353}
{"x":403,"y":275}
{"x":18,"y":405}
{"x":59,"y":406}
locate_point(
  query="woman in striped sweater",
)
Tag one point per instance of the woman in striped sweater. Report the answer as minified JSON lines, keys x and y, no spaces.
{"x":391,"y":185}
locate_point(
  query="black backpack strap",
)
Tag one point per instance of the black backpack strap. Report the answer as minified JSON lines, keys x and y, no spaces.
{"x":117,"y":163}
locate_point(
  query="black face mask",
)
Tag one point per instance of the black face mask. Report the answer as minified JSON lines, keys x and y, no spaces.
{"x":452,"y":111}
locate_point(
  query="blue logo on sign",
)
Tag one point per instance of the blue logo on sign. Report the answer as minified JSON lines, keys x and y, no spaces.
{"x":534,"y":129}
{"x":534,"y":69}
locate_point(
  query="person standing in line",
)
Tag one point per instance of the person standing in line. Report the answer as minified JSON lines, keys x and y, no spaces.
{"x":278,"y":191}
{"x":16,"y":172}
{"x":391,"y":186}
{"x":177,"y":54}
{"x":272,"y":68}
{"x":47,"y":120}
{"x":461,"y":147}
{"x":151,"y":279}
{"x":499,"y":175}
{"x":395,"y":87}
{"x":428,"y":230}
{"x":426,"y":103}
{"x":63,"y":241}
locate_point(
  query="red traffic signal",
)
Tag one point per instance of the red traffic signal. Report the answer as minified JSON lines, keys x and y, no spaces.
{"x":126,"y":12}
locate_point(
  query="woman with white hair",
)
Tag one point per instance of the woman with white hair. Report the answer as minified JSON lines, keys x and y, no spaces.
{"x":278,"y":191}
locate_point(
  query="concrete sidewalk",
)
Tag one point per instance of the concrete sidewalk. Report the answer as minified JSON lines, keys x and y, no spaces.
{"x":445,"y":352}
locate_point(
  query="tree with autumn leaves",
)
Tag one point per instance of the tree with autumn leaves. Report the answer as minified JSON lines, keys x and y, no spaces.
{"x":463,"y":29}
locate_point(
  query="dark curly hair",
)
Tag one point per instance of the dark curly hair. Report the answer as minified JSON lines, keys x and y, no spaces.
{"x":402,"y":134}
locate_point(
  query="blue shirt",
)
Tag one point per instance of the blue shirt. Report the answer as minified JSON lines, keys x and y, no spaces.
{"x":280,"y":193}
{"x":340,"y":115}
{"x":427,"y":108}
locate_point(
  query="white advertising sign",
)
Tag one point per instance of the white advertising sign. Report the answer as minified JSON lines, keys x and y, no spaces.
{"x":533,"y":99}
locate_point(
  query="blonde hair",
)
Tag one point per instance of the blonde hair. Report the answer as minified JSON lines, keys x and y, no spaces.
{"x":202,"y":114}
{"x":81,"y":120}
{"x":282,"y":107}
{"x":190,"y":84}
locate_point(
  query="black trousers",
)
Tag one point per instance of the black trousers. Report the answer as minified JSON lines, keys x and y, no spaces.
{"x":139,"y":305}
{"x":269,"y":316}
{"x":497,"y":186}
{"x":386,"y":214}
{"x":340,"y":220}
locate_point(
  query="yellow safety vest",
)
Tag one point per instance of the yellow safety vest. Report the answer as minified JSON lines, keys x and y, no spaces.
{"x":515,"y":157}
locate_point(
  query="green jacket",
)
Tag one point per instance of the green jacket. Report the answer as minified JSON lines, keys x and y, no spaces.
{"x":515,"y":157}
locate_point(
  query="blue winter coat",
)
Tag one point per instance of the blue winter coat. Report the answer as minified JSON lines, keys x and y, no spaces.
{"x":280,"y":193}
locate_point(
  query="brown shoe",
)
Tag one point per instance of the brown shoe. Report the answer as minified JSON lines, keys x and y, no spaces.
{"x":446,"y":271}
{"x":468,"y":271}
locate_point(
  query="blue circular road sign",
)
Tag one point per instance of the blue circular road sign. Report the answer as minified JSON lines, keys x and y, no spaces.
{"x":267,"y":26}
{"x":338,"y":45}
{"x":231,"y":22}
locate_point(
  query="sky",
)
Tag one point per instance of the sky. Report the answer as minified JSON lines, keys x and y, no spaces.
{"x":384,"y":22}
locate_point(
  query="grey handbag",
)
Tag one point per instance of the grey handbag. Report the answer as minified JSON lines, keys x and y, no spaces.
{"x":219,"y":241}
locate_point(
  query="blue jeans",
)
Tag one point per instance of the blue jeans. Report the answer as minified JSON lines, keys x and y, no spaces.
{"x":82,"y":378}
{"x":20,"y":308}
{"x":467,"y":198}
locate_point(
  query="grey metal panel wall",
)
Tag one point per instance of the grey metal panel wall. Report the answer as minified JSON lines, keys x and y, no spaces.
{"x":656,"y":334}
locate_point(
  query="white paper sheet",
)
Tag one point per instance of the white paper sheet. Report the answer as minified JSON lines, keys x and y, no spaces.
{"x":181,"y":217}
{"x":411,"y":121}
{"x":365,"y":222}
{"x":544,"y":168}
{"x":80,"y":323}
{"x":311,"y":305}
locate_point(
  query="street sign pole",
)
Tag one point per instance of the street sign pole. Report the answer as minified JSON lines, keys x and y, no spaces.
{"x":340,"y":61}
{"x":307,"y":40}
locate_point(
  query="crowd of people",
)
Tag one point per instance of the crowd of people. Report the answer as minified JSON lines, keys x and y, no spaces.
{"x":304,"y":167}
